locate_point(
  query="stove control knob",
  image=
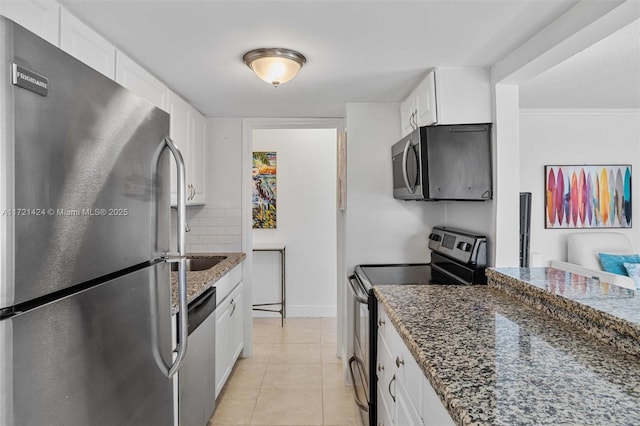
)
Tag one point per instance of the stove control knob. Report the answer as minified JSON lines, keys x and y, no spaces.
{"x":464,"y":246}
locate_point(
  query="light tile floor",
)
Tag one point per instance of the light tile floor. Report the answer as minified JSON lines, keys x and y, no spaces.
{"x":293,"y":378}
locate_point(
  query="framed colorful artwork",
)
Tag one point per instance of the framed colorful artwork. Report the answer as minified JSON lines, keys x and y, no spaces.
{"x":588,"y":196}
{"x":264,"y":208}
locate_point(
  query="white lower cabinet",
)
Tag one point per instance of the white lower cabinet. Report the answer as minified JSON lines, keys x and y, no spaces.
{"x":406,"y":411}
{"x":386,"y":377}
{"x":237,"y":322}
{"x":223,"y":355}
{"x":229,"y":334}
{"x":433,"y":412}
{"x":405,"y":396}
{"x":384,"y":413}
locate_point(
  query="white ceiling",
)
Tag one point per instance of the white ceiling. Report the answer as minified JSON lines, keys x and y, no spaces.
{"x":357,"y":51}
{"x":604,"y":75}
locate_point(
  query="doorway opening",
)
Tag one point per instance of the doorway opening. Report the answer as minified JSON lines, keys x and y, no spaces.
{"x":303,"y":224}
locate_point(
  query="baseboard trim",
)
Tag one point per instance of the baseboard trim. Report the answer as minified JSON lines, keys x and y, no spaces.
{"x":302,"y":311}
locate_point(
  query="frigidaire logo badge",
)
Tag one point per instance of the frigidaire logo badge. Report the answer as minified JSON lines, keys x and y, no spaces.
{"x":31,"y":81}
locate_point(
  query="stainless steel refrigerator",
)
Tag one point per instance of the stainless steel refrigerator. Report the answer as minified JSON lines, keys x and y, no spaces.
{"x":85,"y":298}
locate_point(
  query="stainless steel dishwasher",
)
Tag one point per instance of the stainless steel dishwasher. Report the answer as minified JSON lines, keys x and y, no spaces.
{"x":196,"y":381}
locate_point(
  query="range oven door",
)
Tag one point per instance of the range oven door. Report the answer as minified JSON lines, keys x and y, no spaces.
{"x":406,"y":163}
{"x":359,"y":362}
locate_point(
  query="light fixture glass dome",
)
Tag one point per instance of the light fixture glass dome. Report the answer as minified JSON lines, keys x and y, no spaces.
{"x":274,"y":65}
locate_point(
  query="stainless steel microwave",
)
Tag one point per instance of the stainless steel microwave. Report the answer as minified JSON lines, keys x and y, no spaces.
{"x":444,"y":163}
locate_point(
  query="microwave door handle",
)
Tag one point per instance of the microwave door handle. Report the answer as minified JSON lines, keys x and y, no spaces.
{"x":405,"y":175}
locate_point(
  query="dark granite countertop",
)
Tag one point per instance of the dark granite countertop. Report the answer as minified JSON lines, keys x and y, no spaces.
{"x":605,"y":311}
{"x":494,"y":360}
{"x":199,"y":281}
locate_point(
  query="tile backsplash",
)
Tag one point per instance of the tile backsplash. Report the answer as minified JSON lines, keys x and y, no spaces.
{"x":212,"y":229}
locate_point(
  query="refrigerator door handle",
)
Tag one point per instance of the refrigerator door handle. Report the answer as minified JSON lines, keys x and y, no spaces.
{"x":182,"y":261}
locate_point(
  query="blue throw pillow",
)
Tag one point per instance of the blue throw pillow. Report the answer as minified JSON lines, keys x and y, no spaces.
{"x":633,"y":270}
{"x":614,"y":263}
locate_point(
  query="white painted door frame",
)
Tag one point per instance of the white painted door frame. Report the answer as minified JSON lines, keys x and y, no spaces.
{"x":248,"y":126}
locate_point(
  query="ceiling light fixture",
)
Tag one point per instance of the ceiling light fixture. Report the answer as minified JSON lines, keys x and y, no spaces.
{"x":274,"y":65}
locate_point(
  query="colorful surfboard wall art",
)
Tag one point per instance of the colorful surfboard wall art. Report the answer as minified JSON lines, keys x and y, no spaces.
{"x":588,"y":196}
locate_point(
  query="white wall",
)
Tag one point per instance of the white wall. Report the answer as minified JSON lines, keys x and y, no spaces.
{"x":379,"y":228}
{"x":216,"y":227}
{"x":555,"y":137}
{"x":306,"y":221}
{"x":475,"y":216}
{"x":583,"y":25}
{"x":376,"y":227}
{"x":504,"y":244}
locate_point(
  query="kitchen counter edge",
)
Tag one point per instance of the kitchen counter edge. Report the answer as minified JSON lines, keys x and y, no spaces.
{"x":199,"y":281}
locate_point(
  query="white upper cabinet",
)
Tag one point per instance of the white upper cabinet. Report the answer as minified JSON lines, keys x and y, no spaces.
{"x":419,"y":108}
{"x":463,"y":95}
{"x":448,"y":96}
{"x":179,"y":110}
{"x":41,"y":17}
{"x":425,"y":101}
{"x":83,"y":43}
{"x":188,"y":131}
{"x":51,"y":21}
{"x":140,"y":81}
{"x":198,"y":158}
{"x":408,"y":114}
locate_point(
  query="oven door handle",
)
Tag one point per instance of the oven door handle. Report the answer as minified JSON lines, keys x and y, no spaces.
{"x":358,"y":294}
{"x":360,"y":365}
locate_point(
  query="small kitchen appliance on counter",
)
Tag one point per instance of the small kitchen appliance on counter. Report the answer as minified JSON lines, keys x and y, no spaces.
{"x":457,"y":258}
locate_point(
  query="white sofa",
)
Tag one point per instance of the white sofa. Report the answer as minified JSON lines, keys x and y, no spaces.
{"x":583,"y":259}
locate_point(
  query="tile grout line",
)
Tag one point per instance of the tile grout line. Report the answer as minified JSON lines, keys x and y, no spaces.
{"x":269,"y":361}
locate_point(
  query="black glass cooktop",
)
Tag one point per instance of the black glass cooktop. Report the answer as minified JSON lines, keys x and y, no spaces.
{"x":397,"y":273}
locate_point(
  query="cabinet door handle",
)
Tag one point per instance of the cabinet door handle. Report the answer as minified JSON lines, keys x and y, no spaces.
{"x":380,"y":367}
{"x":233,"y":303}
{"x":392,"y":395}
{"x":399,"y":362}
{"x":381,"y":322}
